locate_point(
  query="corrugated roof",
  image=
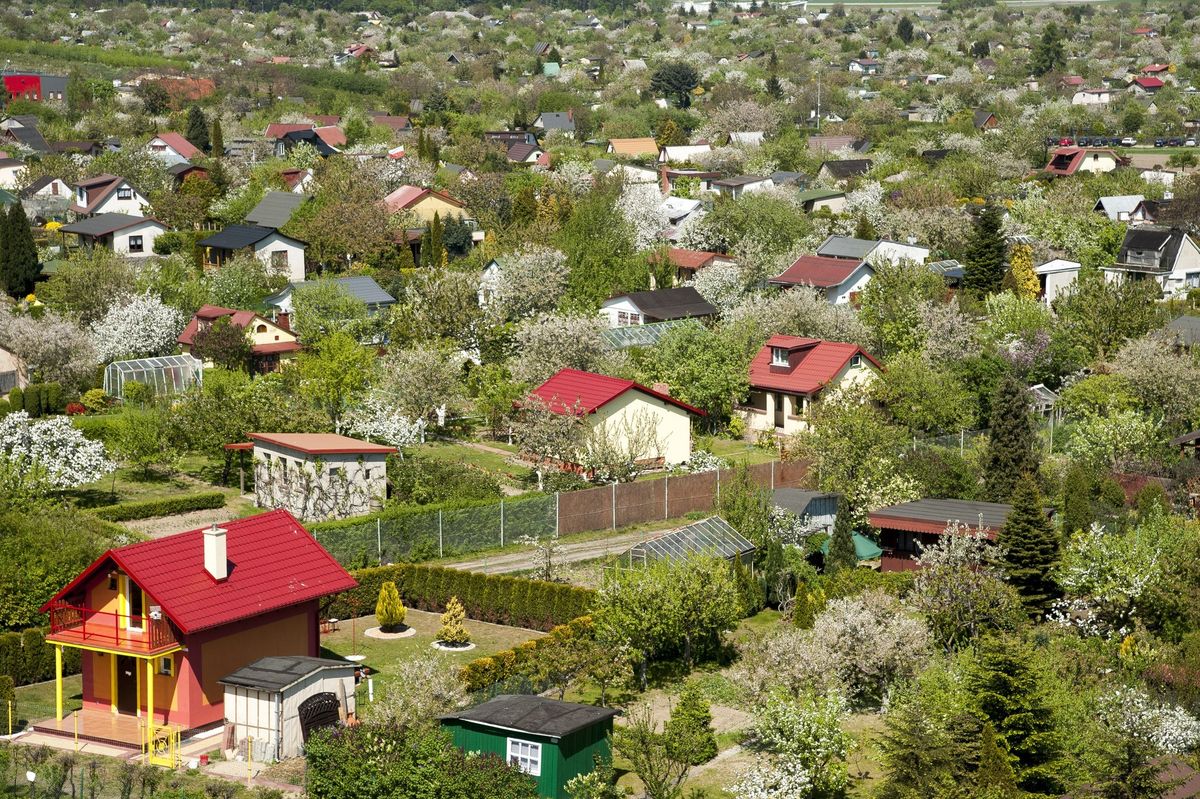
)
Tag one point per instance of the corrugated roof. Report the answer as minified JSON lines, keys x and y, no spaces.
{"x":711,"y":536}
{"x":819,"y":271}
{"x":274,"y":674}
{"x":537,"y":715}
{"x":273,"y":563}
{"x":812,"y":364}
{"x":588,"y":391}
{"x":846,"y":247}
{"x":933,"y":515}
{"x":103,"y":224}
{"x":275,"y":209}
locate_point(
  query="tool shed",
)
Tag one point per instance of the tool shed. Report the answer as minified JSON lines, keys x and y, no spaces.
{"x":549,"y":740}
{"x":272,"y":705}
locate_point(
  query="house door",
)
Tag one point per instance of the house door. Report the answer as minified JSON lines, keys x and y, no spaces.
{"x":127,"y":684}
{"x":779,"y":414}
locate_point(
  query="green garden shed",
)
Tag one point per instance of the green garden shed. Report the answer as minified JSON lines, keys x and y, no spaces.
{"x":549,"y":740}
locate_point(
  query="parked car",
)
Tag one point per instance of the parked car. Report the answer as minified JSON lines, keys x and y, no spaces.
{"x":1085,"y":141}
{"x":1189,"y":142}
{"x":1174,"y":142}
{"x":1065,"y":141}
{"x":1128,"y":141}
{"x":1160,"y":143}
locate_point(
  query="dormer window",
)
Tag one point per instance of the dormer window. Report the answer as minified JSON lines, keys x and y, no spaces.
{"x":779,"y":356}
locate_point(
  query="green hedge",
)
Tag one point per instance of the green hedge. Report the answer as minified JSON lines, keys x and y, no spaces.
{"x":496,"y":598}
{"x":167,"y":506}
{"x":27,"y":658}
{"x":485,"y":671}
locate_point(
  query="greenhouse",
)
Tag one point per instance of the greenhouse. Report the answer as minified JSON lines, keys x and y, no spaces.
{"x":712,"y":536}
{"x":168,"y":374}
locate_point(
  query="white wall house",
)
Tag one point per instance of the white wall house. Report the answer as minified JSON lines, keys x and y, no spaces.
{"x":1092,"y":97}
{"x":108,"y":194}
{"x":10,"y":172}
{"x":319,"y":476}
{"x":131,"y":236}
{"x":1055,"y":276}
{"x":281,"y":254}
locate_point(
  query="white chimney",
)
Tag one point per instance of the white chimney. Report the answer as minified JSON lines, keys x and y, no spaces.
{"x":215,"y":558}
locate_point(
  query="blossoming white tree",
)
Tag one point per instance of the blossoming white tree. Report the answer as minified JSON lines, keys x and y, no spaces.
{"x":49,"y":454}
{"x":808,"y":747}
{"x":382,"y":421}
{"x":552,"y":342}
{"x":136,"y":327}
{"x":642,"y":206}
{"x":531,"y":281}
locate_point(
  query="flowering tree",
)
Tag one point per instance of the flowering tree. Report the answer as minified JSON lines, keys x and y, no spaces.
{"x":546,"y":434}
{"x":136,"y":327}
{"x":382,"y":421}
{"x":721,"y":284}
{"x":1168,"y":729}
{"x":421,"y":689}
{"x":49,"y":454}
{"x":420,"y":380}
{"x":960,"y":587}
{"x":551,"y":342}
{"x":1119,"y":441}
{"x":642,"y":206}
{"x":51,"y":349}
{"x":1163,"y":379}
{"x":805,"y":736}
{"x":531,"y":281}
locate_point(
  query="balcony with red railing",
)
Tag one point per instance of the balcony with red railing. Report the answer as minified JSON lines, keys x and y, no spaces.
{"x":71,"y":625}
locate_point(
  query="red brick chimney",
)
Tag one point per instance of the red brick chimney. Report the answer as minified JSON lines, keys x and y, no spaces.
{"x":662,"y":388}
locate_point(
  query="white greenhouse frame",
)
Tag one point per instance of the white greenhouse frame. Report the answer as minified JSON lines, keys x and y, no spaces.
{"x":167,"y":374}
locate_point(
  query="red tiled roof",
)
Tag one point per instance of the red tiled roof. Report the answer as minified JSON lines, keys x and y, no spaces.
{"x":179,"y":144}
{"x":276,"y":346}
{"x":274,"y":563}
{"x":1153,"y":69}
{"x":210,"y":313}
{"x":408,"y":196}
{"x":690,"y":259}
{"x":326,"y":119}
{"x":812,"y":364}
{"x":817,"y":270}
{"x":1066,"y":160}
{"x":331,"y":135}
{"x":397,"y":124}
{"x":588,"y":391}
{"x":1148,"y":83}
{"x":322,"y":443}
{"x":1072,"y":80}
{"x":277,"y":130}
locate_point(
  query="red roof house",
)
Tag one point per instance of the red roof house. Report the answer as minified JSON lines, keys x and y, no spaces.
{"x":160,"y":623}
{"x":616,"y":405}
{"x":277,"y":130}
{"x":1067,"y":161}
{"x":789,"y":373}
{"x":331,"y":135}
{"x":1146,"y":85}
{"x":838,"y":278}
{"x":270,"y":344}
{"x":172,"y":143}
{"x":1156,"y":69}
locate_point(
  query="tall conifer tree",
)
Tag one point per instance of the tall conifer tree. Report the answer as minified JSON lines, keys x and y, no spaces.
{"x":1010,"y":451}
{"x":985,"y":256}
{"x":1031,"y":547}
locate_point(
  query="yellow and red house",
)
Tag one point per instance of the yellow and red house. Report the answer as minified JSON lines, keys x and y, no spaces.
{"x":160,"y":622}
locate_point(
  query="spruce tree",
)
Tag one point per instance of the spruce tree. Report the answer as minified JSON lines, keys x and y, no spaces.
{"x":984,"y":259}
{"x":7,"y":282}
{"x":842,"y":554}
{"x":1010,"y":451}
{"x":1006,"y":692}
{"x":389,"y":608}
{"x":20,"y":258}
{"x":904,"y":29}
{"x":1031,"y":547}
{"x":197,"y":128}
{"x":994,"y":775}
{"x":1077,"y":501}
{"x":689,"y":731}
{"x":218,"y":139}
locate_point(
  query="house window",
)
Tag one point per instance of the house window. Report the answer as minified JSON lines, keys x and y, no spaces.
{"x":779,"y":356}
{"x":525,"y":756}
{"x":124,"y":193}
{"x":54,"y":188}
{"x":1192,"y":280}
{"x":625,"y":319}
{"x":166,"y":666}
{"x":133,"y":605}
{"x":135,"y":244}
{"x":260,"y":329}
{"x":856,"y":362}
{"x":279,"y":260}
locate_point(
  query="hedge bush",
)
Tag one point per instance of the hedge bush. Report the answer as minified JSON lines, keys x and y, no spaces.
{"x":496,"y":598}
{"x":485,"y":671}
{"x":27,"y":658}
{"x":166,"y":506}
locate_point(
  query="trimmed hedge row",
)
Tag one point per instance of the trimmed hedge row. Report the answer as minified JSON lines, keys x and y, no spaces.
{"x":497,"y":598}
{"x":485,"y":671}
{"x":167,"y":506}
{"x":27,"y":658}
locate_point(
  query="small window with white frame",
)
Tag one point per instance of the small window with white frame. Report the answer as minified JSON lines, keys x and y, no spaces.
{"x":1192,"y":280}
{"x":779,"y":356}
{"x":856,"y":362}
{"x":124,"y":193}
{"x":526,"y":756}
{"x":166,"y":666}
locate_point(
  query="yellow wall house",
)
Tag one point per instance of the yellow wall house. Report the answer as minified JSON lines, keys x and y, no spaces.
{"x":424,"y":203}
{"x":647,"y":425}
{"x":788,"y":374}
{"x":270,"y":344}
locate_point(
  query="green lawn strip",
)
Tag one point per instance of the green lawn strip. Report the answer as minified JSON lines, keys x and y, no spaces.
{"x":495,"y":464}
{"x":36,"y":702}
{"x":737,"y":451}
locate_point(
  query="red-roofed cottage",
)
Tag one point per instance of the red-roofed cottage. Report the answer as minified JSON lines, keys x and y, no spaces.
{"x":1068,"y":161}
{"x":653,"y":427}
{"x":789,"y":372}
{"x":318,"y":476}
{"x":160,"y":623}
{"x":270,"y":344}
{"x":840,"y":279}
{"x":173,"y":147}
{"x":423,"y":203}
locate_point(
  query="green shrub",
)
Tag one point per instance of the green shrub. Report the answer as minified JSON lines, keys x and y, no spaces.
{"x":54,"y":398}
{"x":453,"y":632}
{"x":94,"y":399}
{"x":33,"y":399}
{"x":27,"y":658}
{"x":5,"y":407}
{"x":167,"y":506}
{"x":136,"y":393}
{"x":522,"y":659}
{"x":16,"y":399}
{"x":8,"y":703}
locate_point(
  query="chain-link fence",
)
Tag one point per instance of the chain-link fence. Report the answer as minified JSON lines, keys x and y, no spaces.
{"x":1052,"y":433}
{"x":423,"y":534}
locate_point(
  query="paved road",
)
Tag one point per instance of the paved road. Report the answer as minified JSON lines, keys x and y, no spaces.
{"x":567,"y":553}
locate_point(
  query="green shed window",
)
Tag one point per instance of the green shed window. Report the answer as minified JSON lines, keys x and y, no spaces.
{"x":525,"y":756}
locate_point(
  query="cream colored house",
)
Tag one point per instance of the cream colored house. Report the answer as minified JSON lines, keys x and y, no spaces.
{"x":270,"y":344}
{"x":789,"y":373}
{"x":424,"y":203}
{"x":649,"y":426}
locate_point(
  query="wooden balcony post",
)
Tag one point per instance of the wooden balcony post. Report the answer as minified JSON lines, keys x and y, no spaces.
{"x":58,"y":705}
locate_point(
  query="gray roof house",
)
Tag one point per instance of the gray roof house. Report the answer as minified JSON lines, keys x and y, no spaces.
{"x":360,"y":286}
{"x":561,"y":121}
{"x":275,"y":209}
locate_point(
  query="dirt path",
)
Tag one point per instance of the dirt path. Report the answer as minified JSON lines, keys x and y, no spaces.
{"x":567,"y":553}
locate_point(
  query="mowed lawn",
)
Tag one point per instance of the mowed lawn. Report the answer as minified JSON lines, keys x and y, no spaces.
{"x":498,"y":466}
{"x":36,"y":702}
{"x":385,"y":656}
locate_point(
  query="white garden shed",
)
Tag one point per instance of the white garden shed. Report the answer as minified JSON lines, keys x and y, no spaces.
{"x":272,"y":705}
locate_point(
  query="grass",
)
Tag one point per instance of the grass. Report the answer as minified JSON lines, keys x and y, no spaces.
{"x":36,"y":702}
{"x":384,"y":657}
{"x":194,"y":473}
{"x":737,"y":451}
{"x":494,"y":464}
